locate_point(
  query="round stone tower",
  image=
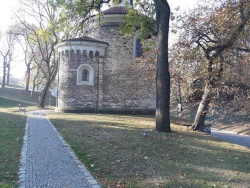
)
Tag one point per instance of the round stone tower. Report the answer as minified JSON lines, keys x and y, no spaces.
{"x":97,"y":72}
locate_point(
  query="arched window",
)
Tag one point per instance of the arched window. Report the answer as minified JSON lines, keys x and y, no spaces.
{"x":72,"y":53}
{"x":67,"y":53}
{"x":139,"y":50}
{"x":84,"y":54}
{"x":91,"y":55}
{"x":85,"y":75}
{"x":137,"y":47}
{"x":78,"y":55}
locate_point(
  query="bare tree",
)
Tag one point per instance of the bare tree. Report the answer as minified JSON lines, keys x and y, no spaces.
{"x":45,"y":35}
{"x":28,"y":58}
{"x":215,"y":28}
{"x":7,"y":43}
{"x":9,"y":60}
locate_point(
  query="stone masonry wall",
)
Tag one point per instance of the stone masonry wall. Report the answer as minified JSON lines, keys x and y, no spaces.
{"x":123,"y":85}
{"x":73,"y":95}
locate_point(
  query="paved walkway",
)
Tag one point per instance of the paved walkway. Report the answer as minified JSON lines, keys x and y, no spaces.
{"x":231,"y":137}
{"x":47,"y":161}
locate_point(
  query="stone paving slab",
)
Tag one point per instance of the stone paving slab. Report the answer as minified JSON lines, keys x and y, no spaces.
{"x":47,"y":160}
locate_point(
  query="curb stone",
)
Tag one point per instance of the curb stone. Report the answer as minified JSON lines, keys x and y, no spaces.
{"x":86,"y":173}
{"x":22,"y":169}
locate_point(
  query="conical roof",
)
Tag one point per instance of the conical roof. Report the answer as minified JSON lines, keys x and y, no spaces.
{"x":116,"y":10}
{"x":87,"y":39}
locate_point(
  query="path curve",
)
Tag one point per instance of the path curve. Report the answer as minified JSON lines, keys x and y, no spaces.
{"x":242,"y":140}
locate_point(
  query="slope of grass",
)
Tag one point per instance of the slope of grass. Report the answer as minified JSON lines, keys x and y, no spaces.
{"x":22,"y":95}
{"x":115,"y":151}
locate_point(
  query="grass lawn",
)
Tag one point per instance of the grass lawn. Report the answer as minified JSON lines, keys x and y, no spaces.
{"x":12,"y":126}
{"x":115,"y":151}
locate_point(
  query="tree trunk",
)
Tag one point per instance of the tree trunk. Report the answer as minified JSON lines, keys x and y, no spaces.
{"x":34,"y":81}
{"x":27,"y":78}
{"x":4,"y":73}
{"x":45,"y":93}
{"x":8,"y":74}
{"x":200,"y":117}
{"x":46,"y":89}
{"x":163,"y":76}
{"x":33,"y":89}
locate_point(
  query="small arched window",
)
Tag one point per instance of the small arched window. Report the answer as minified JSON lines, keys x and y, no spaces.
{"x":91,"y":55}
{"x":72,"y":54}
{"x":78,"y":55}
{"x":139,"y":50}
{"x":84,"y":54}
{"x":85,"y":75}
{"x":67,"y":53}
{"x":137,"y":47}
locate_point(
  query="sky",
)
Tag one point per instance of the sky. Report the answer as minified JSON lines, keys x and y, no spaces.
{"x":7,"y":10}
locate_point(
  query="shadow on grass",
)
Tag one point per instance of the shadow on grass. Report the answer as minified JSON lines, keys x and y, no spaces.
{"x":119,"y":151}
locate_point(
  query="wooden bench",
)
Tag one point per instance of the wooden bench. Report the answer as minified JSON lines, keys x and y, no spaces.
{"x":21,"y":108}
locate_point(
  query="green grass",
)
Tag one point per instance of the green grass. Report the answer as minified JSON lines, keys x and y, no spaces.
{"x":114,"y":150}
{"x":12,"y":126}
{"x":11,"y":139}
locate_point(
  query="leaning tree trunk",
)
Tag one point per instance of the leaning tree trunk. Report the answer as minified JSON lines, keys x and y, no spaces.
{"x":45,"y":93}
{"x":163,"y":76}
{"x":4,"y":73}
{"x":27,"y":78}
{"x":200,"y":117}
{"x":46,"y":89}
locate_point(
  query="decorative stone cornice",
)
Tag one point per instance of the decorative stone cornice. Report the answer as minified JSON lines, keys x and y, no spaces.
{"x":81,"y":46}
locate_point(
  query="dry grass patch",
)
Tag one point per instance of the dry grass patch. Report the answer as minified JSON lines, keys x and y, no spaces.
{"x":115,"y":151}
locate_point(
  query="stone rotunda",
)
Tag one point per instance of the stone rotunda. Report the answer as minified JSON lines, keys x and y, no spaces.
{"x":97,"y":72}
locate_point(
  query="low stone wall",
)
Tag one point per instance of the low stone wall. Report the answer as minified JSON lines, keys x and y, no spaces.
{"x":107,"y":111}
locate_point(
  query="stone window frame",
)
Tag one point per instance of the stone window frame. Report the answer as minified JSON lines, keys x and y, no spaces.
{"x":79,"y":79}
